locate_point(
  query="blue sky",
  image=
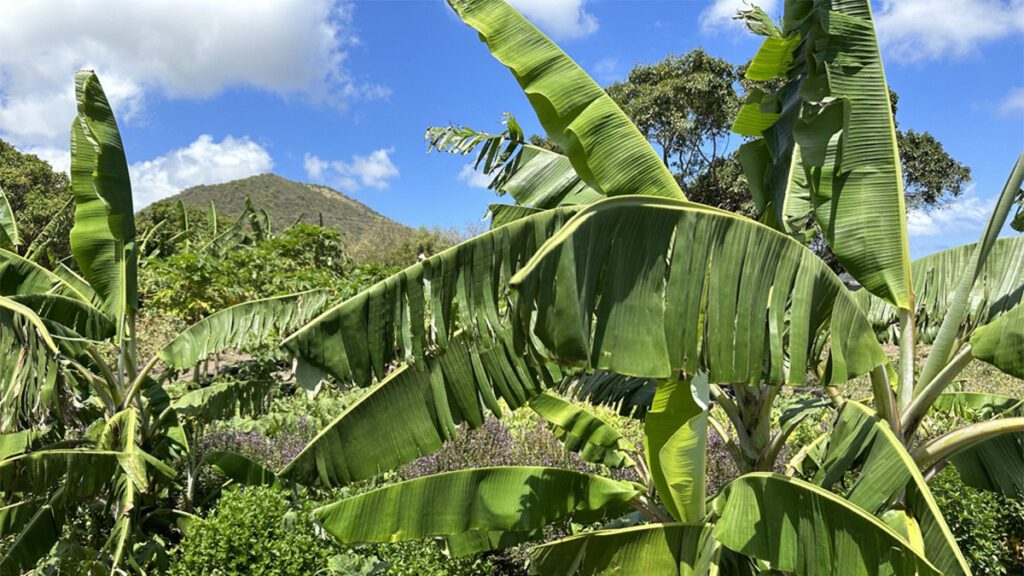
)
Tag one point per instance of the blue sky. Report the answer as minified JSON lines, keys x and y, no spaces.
{"x":341,"y":92}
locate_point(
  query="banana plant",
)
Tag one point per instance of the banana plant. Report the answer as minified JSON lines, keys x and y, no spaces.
{"x":84,"y":419}
{"x":603,"y":278}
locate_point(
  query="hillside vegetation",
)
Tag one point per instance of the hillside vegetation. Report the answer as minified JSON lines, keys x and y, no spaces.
{"x":287,"y":202}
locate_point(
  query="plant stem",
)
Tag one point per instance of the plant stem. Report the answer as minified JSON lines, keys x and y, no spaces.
{"x":905,"y":387}
{"x":941,"y":448}
{"x":926,"y":397}
{"x":137,"y":383}
{"x":884,"y":401}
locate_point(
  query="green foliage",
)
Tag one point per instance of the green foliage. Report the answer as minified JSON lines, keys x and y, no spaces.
{"x":988,"y":527}
{"x":253,"y":531}
{"x":36,"y":193}
{"x":193,"y":283}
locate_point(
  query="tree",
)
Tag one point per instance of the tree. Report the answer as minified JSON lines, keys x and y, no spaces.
{"x":40,"y":197}
{"x":604,"y":269}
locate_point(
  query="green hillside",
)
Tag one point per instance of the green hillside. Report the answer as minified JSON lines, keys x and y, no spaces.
{"x":288,"y":202}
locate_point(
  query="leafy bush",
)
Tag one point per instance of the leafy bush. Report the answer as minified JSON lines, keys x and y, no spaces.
{"x":988,"y":527}
{"x":253,"y":531}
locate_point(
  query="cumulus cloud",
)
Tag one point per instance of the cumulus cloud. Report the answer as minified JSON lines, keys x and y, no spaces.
{"x":719,"y":16}
{"x":201,"y":162}
{"x":1013,"y":103}
{"x":562,"y":19}
{"x":915,"y":30}
{"x":374,"y":170}
{"x":473,"y":178}
{"x":173,"y":48}
{"x":966,"y":216}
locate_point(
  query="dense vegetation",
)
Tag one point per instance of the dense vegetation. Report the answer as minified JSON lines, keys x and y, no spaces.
{"x":207,"y":390}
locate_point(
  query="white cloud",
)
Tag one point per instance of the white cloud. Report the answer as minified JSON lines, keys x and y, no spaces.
{"x":914,"y":30}
{"x":719,"y":16}
{"x":1013,"y":103}
{"x":374,"y":170}
{"x":201,"y":162}
{"x":473,"y":178}
{"x":562,"y":19}
{"x":172,"y":48}
{"x":966,"y":216}
{"x":607,"y":69}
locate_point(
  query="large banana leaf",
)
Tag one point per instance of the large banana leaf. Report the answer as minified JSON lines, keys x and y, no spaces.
{"x":975,"y":405}
{"x":662,"y":549}
{"x":994,"y":464}
{"x":20,"y":442}
{"x":489,"y":499}
{"x":630,"y":396}
{"x":29,"y":373}
{"x":247,"y":323}
{"x":36,"y":538}
{"x":536,"y":178}
{"x":801,"y":528}
{"x":103,"y":237}
{"x":415,"y":410}
{"x":583,"y":432}
{"x":650,"y":287}
{"x":605,"y":148}
{"x":9,"y":238}
{"x":1001,"y":343}
{"x":225,"y":399}
{"x":77,"y":316}
{"x":22,"y":277}
{"x":861,"y":437}
{"x":85,"y":471}
{"x":417,"y":310}
{"x":833,"y":122}
{"x":998,"y":288}
{"x":14,"y":517}
{"x":675,"y":441}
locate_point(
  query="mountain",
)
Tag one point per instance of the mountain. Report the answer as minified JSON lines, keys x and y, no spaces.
{"x":287,"y":202}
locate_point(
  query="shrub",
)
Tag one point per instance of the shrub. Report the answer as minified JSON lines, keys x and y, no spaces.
{"x":988,"y":527}
{"x":253,"y":531}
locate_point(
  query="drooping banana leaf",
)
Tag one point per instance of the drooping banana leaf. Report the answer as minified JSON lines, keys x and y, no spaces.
{"x":85,"y":471}
{"x":665,"y":549}
{"x":801,"y":528}
{"x":124,"y":511}
{"x":38,"y":248}
{"x":605,"y":148}
{"x":9,"y":238}
{"x":416,"y":311}
{"x":536,"y":178}
{"x":14,"y":517}
{"x":861,"y":438}
{"x":1001,"y":342}
{"x":651,"y":287}
{"x":632,"y":397}
{"x":240,"y":468}
{"x":830,"y":131}
{"x":22,"y":277}
{"x":515,"y":498}
{"x":29,"y":373}
{"x":20,"y":442}
{"x":244,"y":324}
{"x":79,"y":317}
{"x":103,"y":237}
{"x":415,"y":410}
{"x":989,"y":455}
{"x":122,"y":435}
{"x":998,"y":288}
{"x":225,"y":399}
{"x":675,"y":441}
{"x":584,"y":432}
{"x":36,"y":538}
{"x":975,"y":405}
